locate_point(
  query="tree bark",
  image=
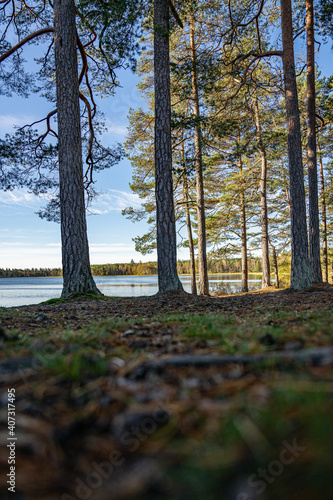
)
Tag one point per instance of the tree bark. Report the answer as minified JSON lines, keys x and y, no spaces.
{"x":266,"y":272}
{"x":276,"y":267}
{"x":203,"y":285}
{"x":75,"y":251}
{"x":314,"y":237}
{"x":245,"y":286}
{"x":190,"y":237}
{"x":323,"y":215}
{"x":168,"y":279}
{"x":301,"y":276}
{"x":286,"y":187}
{"x":188,"y":222}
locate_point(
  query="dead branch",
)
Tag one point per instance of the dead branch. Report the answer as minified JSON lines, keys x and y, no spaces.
{"x":314,"y":357}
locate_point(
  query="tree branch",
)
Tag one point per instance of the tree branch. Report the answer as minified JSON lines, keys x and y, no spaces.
{"x":24,"y":41}
{"x":175,"y":14}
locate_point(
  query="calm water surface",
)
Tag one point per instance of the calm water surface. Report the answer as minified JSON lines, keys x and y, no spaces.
{"x":24,"y":291}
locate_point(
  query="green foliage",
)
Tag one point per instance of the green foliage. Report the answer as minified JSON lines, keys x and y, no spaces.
{"x":215,"y":266}
{"x":108,"y":35}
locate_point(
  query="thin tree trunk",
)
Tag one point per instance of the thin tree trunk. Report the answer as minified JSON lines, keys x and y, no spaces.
{"x":188,"y":222}
{"x":286,"y":186}
{"x":266,"y":272}
{"x":75,"y":251}
{"x":203,"y":285}
{"x":301,"y":276}
{"x":323,"y":215}
{"x":190,"y":238}
{"x":314,"y":237}
{"x":168,"y":279}
{"x":276,"y":267}
{"x":245,"y":287}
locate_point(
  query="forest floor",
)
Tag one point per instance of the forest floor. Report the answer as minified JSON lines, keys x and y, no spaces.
{"x":169,"y":397}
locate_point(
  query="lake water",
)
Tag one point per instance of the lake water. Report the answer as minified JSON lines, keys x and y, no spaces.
{"x":25,"y":291}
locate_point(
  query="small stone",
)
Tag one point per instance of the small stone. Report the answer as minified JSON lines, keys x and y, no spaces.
{"x":41,"y":317}
{"x":115,"y":364}
{"x":129,"y":332}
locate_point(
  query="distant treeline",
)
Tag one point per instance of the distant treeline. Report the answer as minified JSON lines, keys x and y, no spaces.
{"x":139,"y":269}
{"x":29,"y":273}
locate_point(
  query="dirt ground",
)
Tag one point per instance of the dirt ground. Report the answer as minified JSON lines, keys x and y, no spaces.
{"x":113,"y":400}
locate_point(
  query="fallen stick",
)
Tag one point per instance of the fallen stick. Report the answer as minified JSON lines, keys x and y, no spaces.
{"x":315,"y":357}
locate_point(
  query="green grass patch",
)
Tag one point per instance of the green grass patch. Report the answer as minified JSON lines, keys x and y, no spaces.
{"x":75,"y":366}
{"x":60,"y":300}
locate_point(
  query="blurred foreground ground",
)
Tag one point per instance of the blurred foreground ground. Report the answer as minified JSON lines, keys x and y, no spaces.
{"x":170,"y":397}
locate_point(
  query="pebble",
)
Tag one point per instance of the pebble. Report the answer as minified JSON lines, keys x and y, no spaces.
{"x":41,"y":317}
{"x":129,"y":332}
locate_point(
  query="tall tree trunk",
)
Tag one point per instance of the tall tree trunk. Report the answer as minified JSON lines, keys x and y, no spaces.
{"x":203,"y":285}
{"x":285,"y":183}
{"x":168,"y":279}
{"x":314,"y":237}
{"x":266,"y":272}
{"x":276,"y":267}
{"x":301,"y":276}
{"x":245,"y":286}
{"x":323,"y":215}
{"x":75,"y":251}
{"x":188,"y":222}
{"x":190,"y":238}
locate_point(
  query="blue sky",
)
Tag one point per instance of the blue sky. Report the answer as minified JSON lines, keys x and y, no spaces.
{"x":27,"y":241}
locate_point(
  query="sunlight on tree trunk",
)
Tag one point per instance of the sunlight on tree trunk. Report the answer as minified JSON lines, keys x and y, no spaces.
{"x":245,"y":286}
{"x":300,"y":263}
{"x":323,"y":215}
{"x":188,"y":224}
{"x":266,"y":273}
{"x":203,"y":286}
{"x":314,"y":237}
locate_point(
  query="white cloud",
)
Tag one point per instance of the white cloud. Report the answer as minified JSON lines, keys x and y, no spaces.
{"x":114,"y":128}
{"x":114,"y":200}
{"x":8,"y":122}
{"x":111,"y":249}
{"x":13,"y":244}
{"x":19,"y":197}
{"x":28,"y":256}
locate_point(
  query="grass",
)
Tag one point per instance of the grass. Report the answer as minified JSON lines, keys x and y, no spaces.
{"x":243,"y":333}
{"x":228,"y":334}
{"x":223,"y":433}
{"x":74,"y":366}
{"x":61,"y":300}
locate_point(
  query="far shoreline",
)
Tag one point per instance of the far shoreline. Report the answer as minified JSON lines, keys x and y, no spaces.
{"x":137,"y":275}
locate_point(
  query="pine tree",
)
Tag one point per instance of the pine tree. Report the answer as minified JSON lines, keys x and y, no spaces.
{"x":314,"y":237}
{"x":300,"y":264}
{"x":74,"y":242}
{"x":165,"y":216}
